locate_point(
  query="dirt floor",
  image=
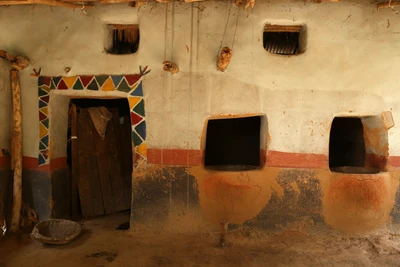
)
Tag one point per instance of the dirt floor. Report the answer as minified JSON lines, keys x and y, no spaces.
{"x":102,"y":245}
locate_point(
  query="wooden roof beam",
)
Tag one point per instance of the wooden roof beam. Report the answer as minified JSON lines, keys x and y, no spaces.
{"x":43,"y":2}
{"x":389,"y":4}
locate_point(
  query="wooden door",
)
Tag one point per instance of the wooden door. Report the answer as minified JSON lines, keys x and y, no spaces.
{"x":102,"y":168}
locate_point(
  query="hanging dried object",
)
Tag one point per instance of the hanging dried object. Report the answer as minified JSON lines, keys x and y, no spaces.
{"x":17,"y":62}
{"x":245,"y":3}
{"x":171,"y":67}
{"x":224,"y":58}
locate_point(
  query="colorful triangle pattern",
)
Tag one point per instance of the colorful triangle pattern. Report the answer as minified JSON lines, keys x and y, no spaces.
{"x":129,"y":84}
{"x":116,"y":79}
{"x":135,"y":118}
{"x":138,"y":91}
{"x":124,"y":83}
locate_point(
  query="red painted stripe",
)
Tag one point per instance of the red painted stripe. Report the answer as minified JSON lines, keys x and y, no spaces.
{"x":263,"y":158}
{"x":30,"y":163}
{"x":194,"y":157}
{"x":174,"y":156}
{"x":296,"y":160}
{"x":58,"y":163}
{"x":5,"y":162}
{"x":394,"y":161}
{"x":273,"y":159}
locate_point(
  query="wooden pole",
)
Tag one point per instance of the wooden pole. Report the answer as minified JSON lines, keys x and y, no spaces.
{"x":43,"y":2}
{"x":16,"y":150}
{"x":390,"y":4}
{"x":75,"y":162}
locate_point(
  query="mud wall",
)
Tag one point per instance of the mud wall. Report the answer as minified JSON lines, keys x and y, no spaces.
{"x":194,"y":199}
{"x":340,"y":77}
{"x":348,"y":45}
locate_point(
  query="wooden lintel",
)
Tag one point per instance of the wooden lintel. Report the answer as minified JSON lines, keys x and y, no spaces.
{"x":43,"y":2}
{"x":282,"y":28}
{"x":389,"y":4}
{"x":95,"y":1}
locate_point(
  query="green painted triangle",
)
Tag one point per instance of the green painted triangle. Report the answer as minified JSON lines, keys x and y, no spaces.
{"x":78,"y":85}
{"x":52,"y":87}
{"x":46,"y":123}
{"x":123,"y":86}
{"x":42,"y":92}
{"x":101,"y":79}
{"x":42,"y":146}
{"x":93,"y":86}
{"x":136,"y":139}
{"x":139,"y":108}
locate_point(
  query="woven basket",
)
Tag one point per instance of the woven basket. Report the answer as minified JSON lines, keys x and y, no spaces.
{"x":56,"y":231}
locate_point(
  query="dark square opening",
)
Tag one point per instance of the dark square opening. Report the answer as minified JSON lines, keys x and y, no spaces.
{"x":346,"y":144}
{"x":281,"y":39}
{"x":233,"y":144}
{"x":125,"y":39}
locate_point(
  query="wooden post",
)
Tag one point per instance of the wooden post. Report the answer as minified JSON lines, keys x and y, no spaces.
{"x":16,"y":150}
{"x":75,"y":162}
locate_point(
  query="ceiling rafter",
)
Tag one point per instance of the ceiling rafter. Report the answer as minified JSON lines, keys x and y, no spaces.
{"x":136,"y":3}
{"x":44,"y":2}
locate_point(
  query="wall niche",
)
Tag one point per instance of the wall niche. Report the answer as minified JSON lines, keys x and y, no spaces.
{"x":358,"y":144}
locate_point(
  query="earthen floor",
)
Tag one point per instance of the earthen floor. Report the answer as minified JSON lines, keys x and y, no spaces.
{"x":102,"y":245}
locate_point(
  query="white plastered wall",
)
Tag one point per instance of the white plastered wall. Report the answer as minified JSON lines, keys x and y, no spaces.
{"x":350,"y":65}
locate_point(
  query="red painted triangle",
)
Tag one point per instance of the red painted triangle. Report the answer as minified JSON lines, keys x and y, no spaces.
{"x":135,"y":119}
{"x":62,"y":85}
{"x":138,"y":157}
{"x":45,"y":99}
{"x":45,"y":153}
{"x":131,"y":79}
{"x":86,"y":80}
{"x":42,"y":116}
{"x":46,"y":80}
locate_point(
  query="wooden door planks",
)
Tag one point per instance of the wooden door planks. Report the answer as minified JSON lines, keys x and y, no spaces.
{"x":90,"y":193}
{"x":105,"y":175}
{"x":103,"y":167}
{"x":113,"y":161}
{"x":74,"y":162}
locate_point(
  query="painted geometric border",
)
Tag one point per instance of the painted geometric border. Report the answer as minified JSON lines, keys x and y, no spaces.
{"x":131,"y":84}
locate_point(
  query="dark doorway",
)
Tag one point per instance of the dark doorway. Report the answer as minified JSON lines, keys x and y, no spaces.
{"x":100,"y":156}
{"x":233,"y":144}
{"x":346,"y":144}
